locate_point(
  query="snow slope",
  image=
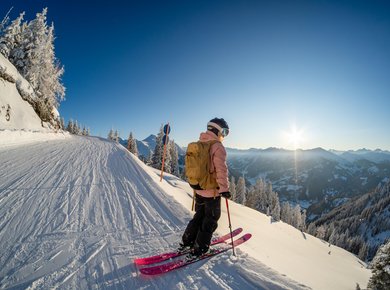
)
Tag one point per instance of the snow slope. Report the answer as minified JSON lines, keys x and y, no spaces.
{"x":22,"y":115}
{"x":19,"y":124}
{"x":74,"y":213}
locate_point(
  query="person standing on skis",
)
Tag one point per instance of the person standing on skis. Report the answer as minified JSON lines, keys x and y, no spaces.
{"x":200,"y":229}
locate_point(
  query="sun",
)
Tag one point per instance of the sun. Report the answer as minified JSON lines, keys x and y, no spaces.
{"x":294,"y":137}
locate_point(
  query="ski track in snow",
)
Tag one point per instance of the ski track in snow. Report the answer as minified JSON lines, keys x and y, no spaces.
{"x":74,"y":214}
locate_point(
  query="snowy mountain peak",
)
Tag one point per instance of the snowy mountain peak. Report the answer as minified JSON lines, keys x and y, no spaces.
{"x":150,"y":139}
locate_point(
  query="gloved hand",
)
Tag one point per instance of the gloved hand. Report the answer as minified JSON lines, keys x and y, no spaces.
{"x":226,"y":194}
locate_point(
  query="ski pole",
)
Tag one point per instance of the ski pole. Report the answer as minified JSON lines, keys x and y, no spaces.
{"x":230,"y":225}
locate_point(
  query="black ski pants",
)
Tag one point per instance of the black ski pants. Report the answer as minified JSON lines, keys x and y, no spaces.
{"x":205,"y":221}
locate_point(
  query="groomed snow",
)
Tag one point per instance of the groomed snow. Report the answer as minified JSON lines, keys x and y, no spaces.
{"x":75,"y":212}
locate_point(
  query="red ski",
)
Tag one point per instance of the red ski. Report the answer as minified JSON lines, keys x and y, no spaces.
{"x":169,"y":266}
{"x":166,"y":256}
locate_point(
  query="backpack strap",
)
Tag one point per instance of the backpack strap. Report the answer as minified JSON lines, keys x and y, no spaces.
{"x":212,"y":143}
{"x":193,"y":200}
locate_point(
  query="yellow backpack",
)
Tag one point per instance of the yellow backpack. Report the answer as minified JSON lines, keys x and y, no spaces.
{"x":198,"y":167}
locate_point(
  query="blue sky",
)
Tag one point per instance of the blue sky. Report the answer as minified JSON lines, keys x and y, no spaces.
{"x":282,"y":73}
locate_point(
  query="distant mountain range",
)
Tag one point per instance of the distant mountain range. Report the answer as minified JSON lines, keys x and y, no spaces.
{"x":317,"y":179}
{"x":147,"y":145}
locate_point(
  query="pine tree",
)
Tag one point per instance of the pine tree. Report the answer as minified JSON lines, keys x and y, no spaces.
{"x":321,"y":232}
{"x":363,"y":251}
{"x":116,"y":136}
{"x":76,"y":128}
{"x":296,"y":216}
{"x":311,"y":229}
{"x":132,"y":144}
{"x":259,"y":196}
{"x":167,"y":158}
{"x":70,"y":126}
{"x":286,"y":213}
{"x":62,"y":123}
{"x":303,"y":221}
{"x":84,"y":133}
{"x":232,"y":187}
{"x":333,"y":236}
{"x":11,"y":36}
{"x":381,"y":269}
{"x":241,"y":191}
{"x":149,"y":160}
{"x":275,"y":207}
{"x":4,"y":22}
{"x":250,"y":197}
{"x":174,"y":158}
{"x":158,"y":150}
{"x":18,"y":55}
{"x":40,"y":66}
{"x":111,"y":136}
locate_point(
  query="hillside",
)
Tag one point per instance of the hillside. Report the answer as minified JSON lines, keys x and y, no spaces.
{"x":76,"y":212}
{"x":363,"y":219}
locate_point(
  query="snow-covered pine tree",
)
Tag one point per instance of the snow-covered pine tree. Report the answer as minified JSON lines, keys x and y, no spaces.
{"x":311,"y":229}
{"x":321,"y":230}
{"x":241,"y":191}
{"x":275,"y":207}
{"x":4,"y":22}
{"x":116,"y":136}
{"x":262,"y":195}
{"x":62,"y":123}
{"x":158,"y":150}
{"x":52,"y":88}
{"x":168,"y":158}
{"x":76,"y":128}
{"x":111,"y":135}
{"x":286,"y":213}
{"x":84,"y":131}
{"x":250,"y":197}
{"x":132,"y":144}
{"x":232,"y":187}
{"x":381,"y":269}
{"x":18,"y":54}
{"x":11,"y":36}
{"x":303,"y":220}
{"x":174,"y":158}
{"x":149,"y":160}
{"x":363,"y":251}
{"x":296,"y":217}
{"x":70,"y":126}
{"x":38,"y":64}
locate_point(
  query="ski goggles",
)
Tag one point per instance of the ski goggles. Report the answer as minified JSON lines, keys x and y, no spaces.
{"x":224,"y":131}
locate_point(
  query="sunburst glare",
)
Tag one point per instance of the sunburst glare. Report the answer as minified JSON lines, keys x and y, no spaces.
{"x":294,"y":138}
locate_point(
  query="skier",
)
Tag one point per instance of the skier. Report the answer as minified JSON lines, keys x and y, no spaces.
{"x":200,"y":229}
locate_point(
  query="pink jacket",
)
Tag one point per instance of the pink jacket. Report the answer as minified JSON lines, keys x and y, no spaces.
{"x":218,"y":165}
